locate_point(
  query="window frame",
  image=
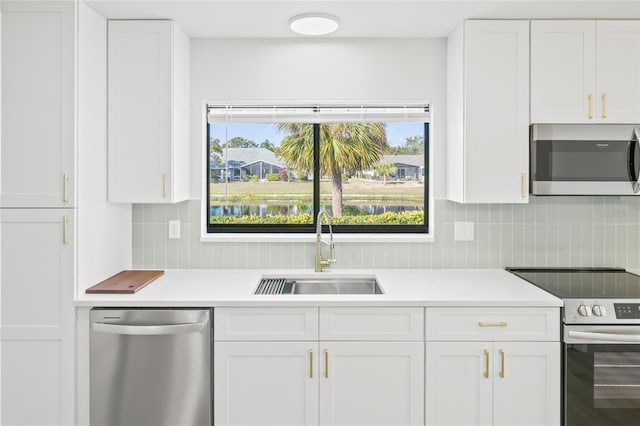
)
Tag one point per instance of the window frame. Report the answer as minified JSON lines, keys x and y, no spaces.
{"x":264,"y":231}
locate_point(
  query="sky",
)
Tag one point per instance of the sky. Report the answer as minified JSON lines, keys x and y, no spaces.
{"x":396,"y":132}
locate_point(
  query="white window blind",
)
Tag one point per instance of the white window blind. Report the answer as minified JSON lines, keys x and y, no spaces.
{"x":317,"y":113}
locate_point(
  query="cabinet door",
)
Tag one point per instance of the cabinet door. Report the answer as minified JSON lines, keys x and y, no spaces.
{"x":496,"y":149}
{"x":458,"y":383}
{"x":140,"y":110}
{"x":527,"y":383}
{"x":372,"y":383}
{"x":38,"y":140}
{"x":618,"y":71}
{"x":37,"y":344}
{"x":265,"y":383}
{"x":563,"y":71}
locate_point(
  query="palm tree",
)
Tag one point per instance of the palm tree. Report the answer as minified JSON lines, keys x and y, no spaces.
{"x":344,"y":148}
{"x":385,"y":168}
{"x":215,"y":150}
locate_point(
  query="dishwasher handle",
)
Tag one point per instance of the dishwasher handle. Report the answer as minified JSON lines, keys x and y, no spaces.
{"x":149,"y":330}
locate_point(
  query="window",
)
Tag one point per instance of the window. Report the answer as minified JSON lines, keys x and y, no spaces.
{"x":271,"y":169}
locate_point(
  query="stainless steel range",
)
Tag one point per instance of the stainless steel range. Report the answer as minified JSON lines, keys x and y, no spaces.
{"x":601,"y":342}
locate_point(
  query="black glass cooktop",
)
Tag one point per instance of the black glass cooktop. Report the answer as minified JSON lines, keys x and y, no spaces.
{"x":588,"y":283}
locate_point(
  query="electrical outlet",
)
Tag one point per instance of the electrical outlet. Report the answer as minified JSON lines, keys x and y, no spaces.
{"x":174,"y":229}
{"x":464,"y":231}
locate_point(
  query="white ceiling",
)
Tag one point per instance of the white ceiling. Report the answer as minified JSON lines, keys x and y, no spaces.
{"x":358,"y":18}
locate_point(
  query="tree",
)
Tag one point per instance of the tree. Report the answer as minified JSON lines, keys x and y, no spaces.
{"x":385,"y":168}
{"x":267,"y":145}
{"x":345,"y":148}
{"x":215,"y":151}
{"x":412,"y":145}
{"x":240,"y":142}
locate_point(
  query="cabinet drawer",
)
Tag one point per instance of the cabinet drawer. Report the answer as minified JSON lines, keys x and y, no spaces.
{"x":371,"y":323}
{"x":265,"y":324}
{"x":475,"y":324}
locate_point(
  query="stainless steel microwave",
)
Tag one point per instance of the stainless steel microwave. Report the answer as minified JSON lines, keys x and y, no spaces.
{"x":587,"y":159}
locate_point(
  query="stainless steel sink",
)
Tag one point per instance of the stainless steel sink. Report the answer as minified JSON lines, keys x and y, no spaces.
{"x":319,"y":285}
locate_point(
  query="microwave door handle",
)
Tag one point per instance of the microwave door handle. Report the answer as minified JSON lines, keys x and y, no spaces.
{"x":632,"y":160}
{"x":606,"y":337}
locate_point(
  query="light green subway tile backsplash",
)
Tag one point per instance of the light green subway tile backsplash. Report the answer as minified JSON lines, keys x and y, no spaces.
{"x":549,"y":231}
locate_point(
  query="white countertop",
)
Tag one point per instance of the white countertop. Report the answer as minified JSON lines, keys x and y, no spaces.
{"x":402,"y":287}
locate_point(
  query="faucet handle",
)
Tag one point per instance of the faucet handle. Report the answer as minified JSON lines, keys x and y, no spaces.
{"x":331,"y":255}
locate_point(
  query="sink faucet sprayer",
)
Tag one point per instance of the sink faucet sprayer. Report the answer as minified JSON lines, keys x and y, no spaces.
{"x":322,"y":263}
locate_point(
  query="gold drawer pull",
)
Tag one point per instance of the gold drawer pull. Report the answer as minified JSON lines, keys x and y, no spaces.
{"x":604,"y":106}
{"x":311,"y":363}
{"x":501,"y":373}
{"x":493,"y":324}
{"x":523,"y":185}
{"x":164,"y":185}
{"x":65,"y":189}
{"x":326,"y":363}
{"x":65,"y":238}
{"x":590,"y":98}
{"x":486,"y":363}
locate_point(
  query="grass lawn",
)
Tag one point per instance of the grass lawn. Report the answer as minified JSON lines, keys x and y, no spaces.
{"x":354,"y":188}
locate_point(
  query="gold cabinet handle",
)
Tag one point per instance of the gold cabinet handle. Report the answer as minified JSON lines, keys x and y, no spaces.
{"x":311,"y":363}
{"x":523,"y":185}
{"x":65,"y":188}
{"x":590,"y":97}
{"x":604,"y":105}
{"x":326,"y":363}
{"x":493,"y":324}
{"x":164,"y":185}
{"x":65,"y":238}
{"x":486,"y":363}
{"x":501,"y":373}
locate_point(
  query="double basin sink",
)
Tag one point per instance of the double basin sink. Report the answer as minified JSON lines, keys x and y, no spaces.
{"x":354,"y":284}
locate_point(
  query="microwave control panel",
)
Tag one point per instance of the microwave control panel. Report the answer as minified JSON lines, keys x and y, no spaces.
{"x":627,"y":310}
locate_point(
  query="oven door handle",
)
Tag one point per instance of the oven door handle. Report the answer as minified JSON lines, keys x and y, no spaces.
{"x":607,"y":337}
{"x":632,"y":161}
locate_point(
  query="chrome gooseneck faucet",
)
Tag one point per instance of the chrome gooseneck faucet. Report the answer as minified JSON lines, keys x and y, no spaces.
{"x":320,"y":262}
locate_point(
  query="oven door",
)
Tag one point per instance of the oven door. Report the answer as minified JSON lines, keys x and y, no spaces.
{"x":601,"y":375}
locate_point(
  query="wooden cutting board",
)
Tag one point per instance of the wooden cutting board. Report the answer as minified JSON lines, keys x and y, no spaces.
{"x":125,"y":282}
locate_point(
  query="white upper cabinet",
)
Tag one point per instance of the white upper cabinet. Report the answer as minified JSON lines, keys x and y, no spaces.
{"x":585,"y":71}
{"x":38,"y":127}
{"x":148,"y":112}
{"x":488,"y":112}
{"x":618,"y":71}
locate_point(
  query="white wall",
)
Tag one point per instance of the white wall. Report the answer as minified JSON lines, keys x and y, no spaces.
{"x":280,"y":70}
{"x":104,"y":229}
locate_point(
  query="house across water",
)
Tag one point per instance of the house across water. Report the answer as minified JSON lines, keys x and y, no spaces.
{"x":239,"y":162}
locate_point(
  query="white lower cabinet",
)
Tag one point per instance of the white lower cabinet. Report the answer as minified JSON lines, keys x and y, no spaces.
{"x":36,"y":317}
{"x":265,"y":383}
{"x":526,"y":383}
{"x":317,"y":382}
{"x":493,"y":383}
{"x":492,"y":366}
{"x":372,"y":383}
{"x":457,"y":391}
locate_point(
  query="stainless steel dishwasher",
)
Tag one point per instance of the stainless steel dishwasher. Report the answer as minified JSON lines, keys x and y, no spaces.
{"x":151,"y":367}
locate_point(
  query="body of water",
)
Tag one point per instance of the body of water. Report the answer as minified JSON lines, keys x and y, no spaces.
{"x":262,"y":210}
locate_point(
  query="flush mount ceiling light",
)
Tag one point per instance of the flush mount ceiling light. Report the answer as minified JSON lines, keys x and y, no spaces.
{"x":313,"y":24}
